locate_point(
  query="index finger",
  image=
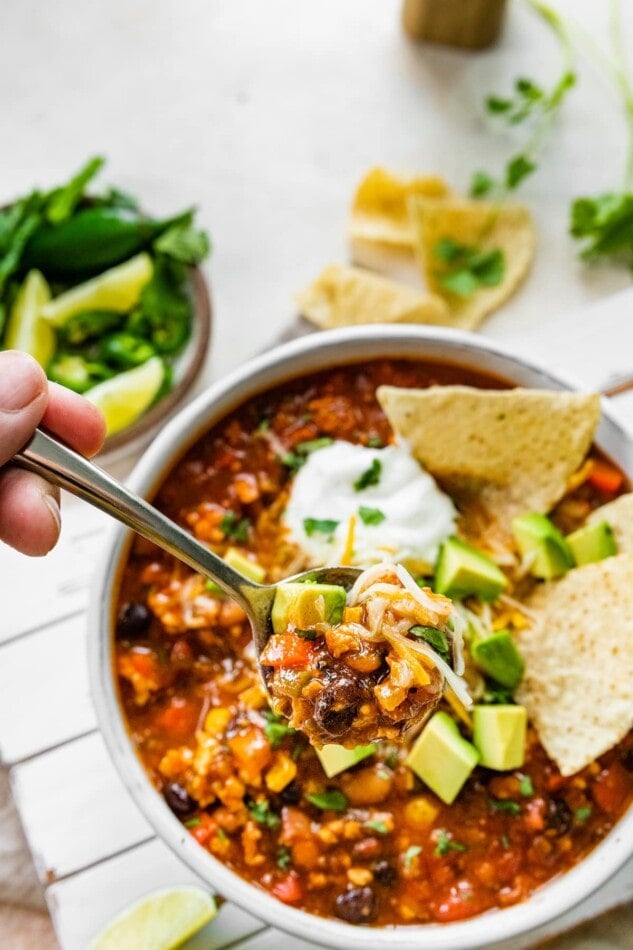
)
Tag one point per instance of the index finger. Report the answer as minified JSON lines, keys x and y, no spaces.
{"x":75,"y":420}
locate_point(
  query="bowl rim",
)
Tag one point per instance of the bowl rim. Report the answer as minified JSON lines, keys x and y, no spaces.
{"x":321,"y":350}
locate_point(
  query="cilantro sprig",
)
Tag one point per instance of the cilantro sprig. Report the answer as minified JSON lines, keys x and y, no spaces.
{"x":371,"y":476}
{"x":467,"y":268}
{"x":434,"y":637}
{"x":234,"y":528}
{"x":445,"y":844}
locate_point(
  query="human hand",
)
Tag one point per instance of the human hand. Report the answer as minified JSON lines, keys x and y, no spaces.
{"x":29,"y":505}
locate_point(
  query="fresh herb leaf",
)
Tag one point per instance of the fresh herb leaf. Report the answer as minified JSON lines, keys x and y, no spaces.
{"x":410,"y":854}
{"x":504,"y":804}
{"x":371,"y":516}
{"x":234,"y":528}
{"x":605,"y":223}
{"x":313,"y":526}
{"x":497,"y":105}
{"x":481,"y":184}
{"x":371,"y":476}
{"x":379,"y":826}
{"x":295,"y":459}
{"x":193,"y":823}
{"x":468,"y":267}
{"x":435,"y":638}
{"x":445,"y":843}
{"x":525,"y":787}
{"x":391,"y":759}
{"x":284,"y":857}
{"x":183,"y":244}
{"x":306,"y":634}
{"x":497,"y":695}
{"x":262,"y":814}
{"x":333,"y":800}
{"x":276,"y":728}
{"x":375,"y":442}
{"x":582,"y":814}
{"x":517,"y":169}
{"x":505,"y":842}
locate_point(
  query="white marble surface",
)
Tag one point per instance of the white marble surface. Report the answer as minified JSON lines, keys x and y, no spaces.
{"x":265,"y":115}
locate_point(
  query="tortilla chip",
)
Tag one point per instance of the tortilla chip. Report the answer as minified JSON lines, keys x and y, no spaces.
{"x":619,"y":514}
{"x":578,"y":683}
{"x":508,"y":227}
{"x":346,"y":296}
{"x":501,"y":452}
{"x":379,"y":210}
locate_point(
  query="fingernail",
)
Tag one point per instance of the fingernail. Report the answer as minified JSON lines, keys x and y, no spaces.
{"x":53,"y":507}
{"x":20,"y":383}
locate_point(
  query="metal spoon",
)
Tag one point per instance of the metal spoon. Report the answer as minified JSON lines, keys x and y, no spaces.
{"x":61,"y":466}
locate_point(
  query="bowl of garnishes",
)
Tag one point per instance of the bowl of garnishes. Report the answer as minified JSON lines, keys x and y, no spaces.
{"x":108,"y":299}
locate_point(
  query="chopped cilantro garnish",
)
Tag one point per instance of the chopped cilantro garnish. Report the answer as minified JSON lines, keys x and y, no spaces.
{"x":306,"y":634}
{"x":375,"y":442}
{"x":391,"y":759}
{"x":262,"y":814}
{"x":222,"y":835}
{"x":234,"y":528}
{"x":333,"y":800}
{"x":295,"y":459}
{"x":494,"y":694}
{"x":193,"y":823}
{"x":526,"y":788}
{"x":212,"y":587}
{"x":378,"y":826}
{"x":297,"y":749}
{"x":276,"y":728}
{"x":435,"y":638}
{"x":284,"y":857}
{"x":504,"y":804}
{"x":505,"y":842}
{"x":412,"y":852}
{"x":445,"y":843}
{"x":371,"y":476}
{"x":371,"y":516}
{"x":319,"y":526}
{"x":264,"y":425}
{"x":582,"y":814}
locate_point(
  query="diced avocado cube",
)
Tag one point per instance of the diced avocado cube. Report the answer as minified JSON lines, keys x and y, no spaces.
{"x":594,"y":542}
{"x":442,"y":758}
{"x":251,"y":569}
{"x":462,"y":570}
{"x":499,"y":735}
{"x":498,"y":657}
{"x":336,"y":758}
{"x":536,"y":535}
{"x":304,"y":605}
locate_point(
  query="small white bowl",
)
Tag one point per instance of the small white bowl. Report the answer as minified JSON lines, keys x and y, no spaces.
{"x":308,"y":355}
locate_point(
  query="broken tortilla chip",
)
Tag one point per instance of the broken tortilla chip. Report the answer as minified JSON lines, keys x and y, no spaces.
{"x":346,"y":296}
{"x":480,"y":227}
{"x":618,"y":514}
{"x":578,"y":682}
{"x":501,"y":453}
{"x":379,"y":212}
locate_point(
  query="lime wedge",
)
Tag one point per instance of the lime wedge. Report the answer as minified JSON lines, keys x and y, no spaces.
{"x":126,"y":396}
{"x":116,"y":289}
{"x":162,"y":920}
{"x":26,"y":330}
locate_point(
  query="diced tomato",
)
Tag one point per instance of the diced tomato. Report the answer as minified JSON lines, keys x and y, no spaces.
{"x":202,"y":834}
{"x":287,"y":649}
{"x":460,"y":903}
{"x":289,"y":889}
{"x":605,"y":477}
{"x":611,"y":788}
{"x":145,"y":663}
{"x":534,"y":814}
{"x":179,"y":717}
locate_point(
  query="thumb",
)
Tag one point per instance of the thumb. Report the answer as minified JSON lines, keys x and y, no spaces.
{"x":23,"y":396}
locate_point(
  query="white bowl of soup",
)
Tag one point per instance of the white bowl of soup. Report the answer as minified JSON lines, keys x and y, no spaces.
{"x":370,"y":853}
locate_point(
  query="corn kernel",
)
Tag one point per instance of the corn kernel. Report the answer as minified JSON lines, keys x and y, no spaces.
{"x":420,"y":812}
{"x":254,"y":697}
{"x":352,"y":615}
{"x":281,"y":773}
{"x":217,"y":720}
{"x":360,"y":877}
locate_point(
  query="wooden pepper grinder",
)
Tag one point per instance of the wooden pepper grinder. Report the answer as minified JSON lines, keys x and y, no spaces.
{"x":472,"y":24}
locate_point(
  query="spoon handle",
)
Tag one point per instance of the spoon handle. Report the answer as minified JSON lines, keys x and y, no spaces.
{"x":64,"y":467}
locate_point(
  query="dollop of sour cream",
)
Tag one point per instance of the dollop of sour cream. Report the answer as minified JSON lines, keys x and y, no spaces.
{"x":400,"y":515}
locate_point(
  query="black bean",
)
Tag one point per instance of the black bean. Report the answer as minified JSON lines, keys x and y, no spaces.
{"x":559,"y":816}
{"x":337,"y":706}
{"x":357,"y":906}
{"x":133,"y":620}
{"x":385,"y":873}
{"x":179,"y":800}
{"x":291,"y":794}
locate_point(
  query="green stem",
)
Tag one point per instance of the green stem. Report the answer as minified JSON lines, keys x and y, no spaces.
{"x":623,"y":82}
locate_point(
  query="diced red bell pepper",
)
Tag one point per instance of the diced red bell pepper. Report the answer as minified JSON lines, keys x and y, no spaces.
{"x":605,"y":477}
{"x":611,"y":787}
{"x":287,"y":649}
{"x":288,"y":889}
